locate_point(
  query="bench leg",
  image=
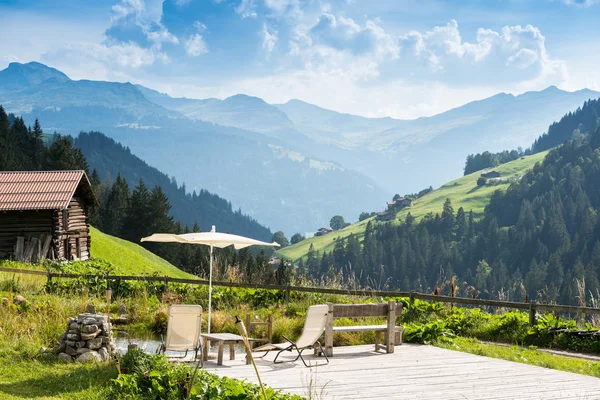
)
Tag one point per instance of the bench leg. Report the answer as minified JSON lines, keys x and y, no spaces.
{"x":220,"y":354}
{"x":231,"y":351}
{"x":377,"y":340}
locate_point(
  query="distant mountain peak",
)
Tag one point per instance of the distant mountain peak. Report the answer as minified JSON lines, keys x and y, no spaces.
{"x":244,"y":99}
{"x":31,"y":73}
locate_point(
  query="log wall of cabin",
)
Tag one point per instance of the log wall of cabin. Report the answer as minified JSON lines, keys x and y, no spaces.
{"x":72,"y":233}
{"x":29,"y":223}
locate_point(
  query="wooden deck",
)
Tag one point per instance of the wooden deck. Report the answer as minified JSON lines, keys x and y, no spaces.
{"x":413,"y":372}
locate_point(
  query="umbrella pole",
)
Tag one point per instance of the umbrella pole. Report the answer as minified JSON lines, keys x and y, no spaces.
{"x":210,"y":287}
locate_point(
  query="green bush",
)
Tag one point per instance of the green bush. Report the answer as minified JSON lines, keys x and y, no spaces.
{"x":153,"y":377}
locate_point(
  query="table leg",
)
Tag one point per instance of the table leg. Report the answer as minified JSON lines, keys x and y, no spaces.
{"x":232,"y":351}
{"x":220,"y":355}
{"x":205,"y":349}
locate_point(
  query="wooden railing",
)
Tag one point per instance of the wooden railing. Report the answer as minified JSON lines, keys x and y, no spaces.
{"x":532,"y":307}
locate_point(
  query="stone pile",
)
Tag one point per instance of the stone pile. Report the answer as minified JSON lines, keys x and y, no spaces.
{"x":88,"y":338}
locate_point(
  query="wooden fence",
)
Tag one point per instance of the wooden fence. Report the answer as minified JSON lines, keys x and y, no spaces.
{"x":532,"y":307}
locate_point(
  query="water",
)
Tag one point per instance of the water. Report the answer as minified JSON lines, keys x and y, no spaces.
{"x":149,"y":344}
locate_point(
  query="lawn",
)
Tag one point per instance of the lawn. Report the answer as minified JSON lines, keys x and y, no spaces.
{"x":462,"y":192}
{"x":27,"y":378}
{"x":130,"y":258}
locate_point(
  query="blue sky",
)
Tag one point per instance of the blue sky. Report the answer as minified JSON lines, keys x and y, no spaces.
{"x":396,"y":58}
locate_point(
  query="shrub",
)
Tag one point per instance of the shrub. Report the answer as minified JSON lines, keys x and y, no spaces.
{"x":154,"y":377}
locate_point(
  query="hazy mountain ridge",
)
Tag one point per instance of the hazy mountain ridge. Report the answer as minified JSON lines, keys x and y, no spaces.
{"x":251,"y":169}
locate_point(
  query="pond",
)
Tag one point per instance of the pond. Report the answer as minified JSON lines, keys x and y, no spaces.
{"x":149,"y":343}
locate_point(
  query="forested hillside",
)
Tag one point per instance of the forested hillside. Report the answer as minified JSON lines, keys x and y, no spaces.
{"x":540,"y":239}
{"x":110,"y":158}
{"x":574,"y":125}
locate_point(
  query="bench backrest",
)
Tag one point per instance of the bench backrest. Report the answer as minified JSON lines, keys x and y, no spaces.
{"x":362,"y":310}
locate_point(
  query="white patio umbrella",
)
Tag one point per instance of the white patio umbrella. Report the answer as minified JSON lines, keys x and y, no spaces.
{"x":212,"y":239}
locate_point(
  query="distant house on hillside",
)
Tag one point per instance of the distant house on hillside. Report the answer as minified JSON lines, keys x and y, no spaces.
{"x":44,"y":214}
{"x":490,"y":174}
{"x":323,"y":231}
{"x":385,"y":216}
{"x":398,"y":204}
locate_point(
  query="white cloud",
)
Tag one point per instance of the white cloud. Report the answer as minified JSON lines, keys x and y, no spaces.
{"x":269,"y":38}
{"x":246,"y":9}
{"x":147,"y":16}
{"x":284,"y":8}
{"x":581,"y":3}
{"x":162,"y":36}
{"x":195,"y":45}
{"x":199,"y":26}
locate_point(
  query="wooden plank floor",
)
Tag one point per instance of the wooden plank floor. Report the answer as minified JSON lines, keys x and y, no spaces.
{"x":412,"y":372}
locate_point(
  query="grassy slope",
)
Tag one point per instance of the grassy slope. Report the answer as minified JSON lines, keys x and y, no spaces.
{"x":130,"y":258}
{"x":463,"y":192}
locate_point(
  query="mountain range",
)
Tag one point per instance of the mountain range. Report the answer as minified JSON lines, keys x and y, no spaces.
{"x":291,"y":166}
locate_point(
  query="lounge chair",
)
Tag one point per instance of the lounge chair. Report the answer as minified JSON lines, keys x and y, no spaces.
{"x":183,"y":331}
{"x":313,"y":329}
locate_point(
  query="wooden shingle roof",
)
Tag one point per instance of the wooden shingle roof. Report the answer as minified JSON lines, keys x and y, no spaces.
{"x":41,"y":190}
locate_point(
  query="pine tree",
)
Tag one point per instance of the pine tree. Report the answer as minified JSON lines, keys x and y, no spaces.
{"x":115,"y":208}
{"x":136,"y":223}
{"x":63,"y":156}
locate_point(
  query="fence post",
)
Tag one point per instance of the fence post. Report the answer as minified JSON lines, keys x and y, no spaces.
{"x":287,"y":293}
{"x":531,"y":314}
{"x":166,"y":287}
{"x":411,"y":299}
{"x":49,"y":277}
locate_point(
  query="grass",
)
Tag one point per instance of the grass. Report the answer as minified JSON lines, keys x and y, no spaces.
{"x":129,"y":258}
{"x":462,"y":192}
{"x":523,"y":355}
{"x":26,"y":378}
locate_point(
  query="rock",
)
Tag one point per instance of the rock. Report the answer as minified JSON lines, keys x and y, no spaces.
{"x":60,"y":347}
{"x":90,"y":309}
{"x":88,"y":336}
{"x":105,"y":340}
{"x":89,"y":328}
{"x":103,"y":353}
{"x":18,"y":300}
{"x":73,"y":331}
{"x":122,"y":309}
{"x":62,"y":337}
{"x":65,"y":357}
{"x":94,"y":343}
{"x":71,"y":343}
{"x":70,"y":351}
{"x":73,"y":326}
{"x":105,"y":326}
{"x":80,"y":344}
{"x":73,"y":336}
{"x":89,"y":321}
{"x":71,"y":320}
{"x":82,"y":350}
{"x":90,"y":356}
{"x":5,"y":301}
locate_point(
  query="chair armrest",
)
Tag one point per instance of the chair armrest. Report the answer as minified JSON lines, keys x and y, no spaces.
{"x":286,"y":339}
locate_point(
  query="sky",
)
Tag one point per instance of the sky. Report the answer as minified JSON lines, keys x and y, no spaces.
{"x":376,"y":58}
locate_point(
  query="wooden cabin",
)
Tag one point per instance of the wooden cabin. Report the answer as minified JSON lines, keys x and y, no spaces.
{"x":44,"y":214}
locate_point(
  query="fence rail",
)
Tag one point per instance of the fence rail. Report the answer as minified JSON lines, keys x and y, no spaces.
{"x":531,"y":307}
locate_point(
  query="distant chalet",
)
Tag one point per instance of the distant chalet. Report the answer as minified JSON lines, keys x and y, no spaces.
{"x":392,"y":208}
{"x":490,"y":174}
{"x":323,"y":231}
{"x":44,"y":214}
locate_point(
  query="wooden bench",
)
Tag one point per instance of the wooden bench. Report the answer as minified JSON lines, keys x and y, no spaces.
{"x":390,"y":310}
